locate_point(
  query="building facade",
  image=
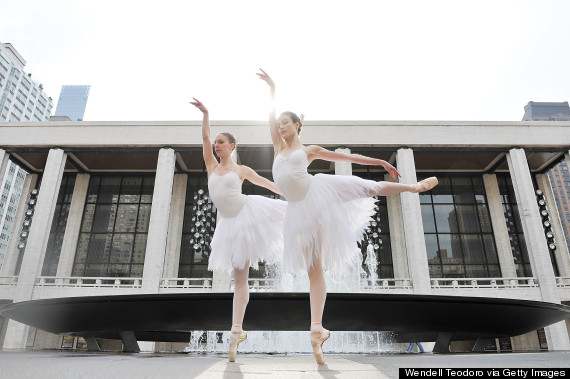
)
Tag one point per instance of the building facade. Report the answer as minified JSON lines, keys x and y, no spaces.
{"x":123,"y":208}
{"x":10,"y":193}
{"x":559,"y":175}
{"x":72,"y":102}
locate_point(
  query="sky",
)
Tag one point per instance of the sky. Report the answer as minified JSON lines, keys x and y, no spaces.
{"x":331,"y":60}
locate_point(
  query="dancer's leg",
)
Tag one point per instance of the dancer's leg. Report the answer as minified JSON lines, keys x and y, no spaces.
{"x":241,"y":297}
{"x":318,"y":294}
{"x":389,"y":188}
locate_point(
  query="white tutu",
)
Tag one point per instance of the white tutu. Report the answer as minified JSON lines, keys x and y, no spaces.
{"x":255,"y":234}
{"x":330,"y":220}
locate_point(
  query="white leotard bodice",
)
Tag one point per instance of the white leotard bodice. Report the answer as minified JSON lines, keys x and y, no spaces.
{"x":291,"y":176}
{"x":225,"y":191}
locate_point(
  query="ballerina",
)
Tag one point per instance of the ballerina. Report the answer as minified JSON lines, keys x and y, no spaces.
{"x":250,"y":227}
{"x":326,"y":214}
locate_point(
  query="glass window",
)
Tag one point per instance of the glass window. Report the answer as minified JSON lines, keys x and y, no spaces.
{"x":114,"y":229}
{"x":450,"y":248}
{"x":460,"y":243}
{"x":442,"y":192}
{"x":109,"y":190}
{"x":15,"y":72}
{"x":428,"y":218}
{"x":445,"y":218}
{"x":432,"y":248}
{"x":467,"y":218}
{"x":4,"y":63}
{"x":474,"y":252}
{"x":463,"y":191}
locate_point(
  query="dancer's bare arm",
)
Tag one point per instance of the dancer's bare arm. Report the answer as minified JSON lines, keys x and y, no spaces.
{"x":317,"y":152}
{"x":254,"y":177}
{"x":278,"y":143}
{"x":209,"y":158}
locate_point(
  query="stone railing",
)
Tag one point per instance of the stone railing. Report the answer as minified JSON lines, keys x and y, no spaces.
{"x":272,"y":284}
{"x":75,"y":281}
{"x":260,"y":285}
{"x":385,"y":284}
{"x":8,"y":281}
{"x":166,"y":283}
{"x":563,"y":282}
{"x":483,"y":282}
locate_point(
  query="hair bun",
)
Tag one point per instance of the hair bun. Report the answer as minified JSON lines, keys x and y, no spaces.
{"x":301,"y":117}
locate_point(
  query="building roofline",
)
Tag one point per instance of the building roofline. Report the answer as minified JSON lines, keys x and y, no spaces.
{"x":8,"y":46}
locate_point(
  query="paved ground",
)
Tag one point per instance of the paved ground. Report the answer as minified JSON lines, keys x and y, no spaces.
{"x":58,"y":364}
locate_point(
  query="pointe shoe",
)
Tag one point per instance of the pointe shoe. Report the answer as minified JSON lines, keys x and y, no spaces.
{"x":317,"y":340}
{"x":427,"y":184}
{"x":235,"y":339}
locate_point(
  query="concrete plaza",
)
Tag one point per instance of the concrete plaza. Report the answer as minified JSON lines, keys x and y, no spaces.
{"x":59,"y":364}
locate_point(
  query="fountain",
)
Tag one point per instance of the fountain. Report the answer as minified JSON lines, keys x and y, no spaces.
{"x":299,"y":341}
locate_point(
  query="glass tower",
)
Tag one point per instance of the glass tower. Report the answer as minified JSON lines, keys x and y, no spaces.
{"x":72,"y":102}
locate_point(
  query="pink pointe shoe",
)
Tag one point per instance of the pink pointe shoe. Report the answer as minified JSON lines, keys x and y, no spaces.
{"x":317,"y":340}
{"x":235,"y":339}
{"x":426,"y":184}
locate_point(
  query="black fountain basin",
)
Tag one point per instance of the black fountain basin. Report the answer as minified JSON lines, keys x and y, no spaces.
{"x":171,"y":317}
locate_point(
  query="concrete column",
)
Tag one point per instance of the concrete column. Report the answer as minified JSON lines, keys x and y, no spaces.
{"x":351,"y":280}
{"x":73,"y":226}
{"x":11,"y":258}
{"x":397,"y":240}
{"x":561,"y":252}
{"x":175,"y":223}
{"x":32,"y":261}
{"x":342,"y":168}
{"x":557,"y":334}
{"x":158,"y":224}
{"x":500,"y":232}
{"x":413,"y":225}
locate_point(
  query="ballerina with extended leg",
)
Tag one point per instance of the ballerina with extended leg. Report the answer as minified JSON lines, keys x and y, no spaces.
{"x":326,"y":214}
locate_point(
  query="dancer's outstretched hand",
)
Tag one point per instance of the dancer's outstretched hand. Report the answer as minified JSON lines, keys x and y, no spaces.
{"x":392,"y":171}
{"x":198,"y":104}
{"x":265,"y":77}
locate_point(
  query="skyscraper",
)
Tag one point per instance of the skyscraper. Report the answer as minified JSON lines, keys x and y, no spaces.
{"x":21,"y":99}
{"x":559,"y":175}
{"x":72,"y":102}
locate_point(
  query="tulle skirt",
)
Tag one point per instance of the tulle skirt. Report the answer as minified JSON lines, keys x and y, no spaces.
{"x":254,"y":235}
{"x":328,"y":223}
